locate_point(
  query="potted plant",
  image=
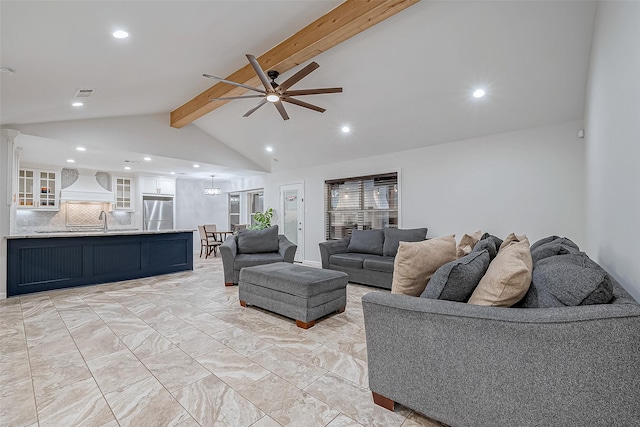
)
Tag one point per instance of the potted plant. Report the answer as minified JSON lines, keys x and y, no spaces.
{"x":262,"y":220}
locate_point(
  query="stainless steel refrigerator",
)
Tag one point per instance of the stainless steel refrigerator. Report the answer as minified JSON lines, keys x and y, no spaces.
{"x":158,"y":213}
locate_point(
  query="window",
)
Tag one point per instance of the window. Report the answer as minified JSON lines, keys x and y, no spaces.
{"x":364,"y":203}
{"x":256,"y":204}
{"x":234,"y":210}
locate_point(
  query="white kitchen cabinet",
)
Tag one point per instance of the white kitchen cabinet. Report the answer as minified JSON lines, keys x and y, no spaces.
{"x":124,"y":191}
{"x":162,"y":186}
{"x":38,"y":189}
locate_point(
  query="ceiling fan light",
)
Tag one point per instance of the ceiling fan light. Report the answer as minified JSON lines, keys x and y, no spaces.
{"x":272,"y":97}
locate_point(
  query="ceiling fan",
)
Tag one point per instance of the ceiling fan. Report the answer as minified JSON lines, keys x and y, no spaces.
{"x":277,"y":93}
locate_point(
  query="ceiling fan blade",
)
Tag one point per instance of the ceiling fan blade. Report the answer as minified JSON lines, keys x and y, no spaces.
{"x":298,"y":76}
{"x":228,"y":98}
{"x":258,"y":105}
{"x":313,"y":91}
{"x":281,"y":110}
{"x":261,"y":75}
{"x":234,"y":83}
{"x":303,"y":104}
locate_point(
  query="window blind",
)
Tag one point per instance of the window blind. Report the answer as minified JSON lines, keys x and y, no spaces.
{"x":363,"y":203}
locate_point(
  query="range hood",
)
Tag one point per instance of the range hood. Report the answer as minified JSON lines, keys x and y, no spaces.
{"x":86,"y":189}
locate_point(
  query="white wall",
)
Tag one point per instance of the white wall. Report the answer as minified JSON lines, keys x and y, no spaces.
{"x":8,"y":163}
{"x":194,"y":208}
{"x":613,"y":144}
{"x":529,"y":181}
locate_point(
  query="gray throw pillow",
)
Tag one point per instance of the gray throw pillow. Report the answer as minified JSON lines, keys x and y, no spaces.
{"x":393,"y":237}
{"x":258,"y":241}
{"x":456,"y":280}
{"x":550,"y":246}
{"x":487,"y":244}
{"x":366,"y":242}
{"x":568,"y":280}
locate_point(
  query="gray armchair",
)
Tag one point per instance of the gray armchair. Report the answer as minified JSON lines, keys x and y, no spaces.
{"x":254,"y":247}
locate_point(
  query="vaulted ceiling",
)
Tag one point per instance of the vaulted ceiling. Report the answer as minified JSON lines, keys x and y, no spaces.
{"x":407,"y":81}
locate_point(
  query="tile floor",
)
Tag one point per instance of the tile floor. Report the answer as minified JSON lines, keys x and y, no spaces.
{"x":178,"y":350}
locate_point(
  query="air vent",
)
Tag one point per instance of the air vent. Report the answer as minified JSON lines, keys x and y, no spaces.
{"x":133,"y":162}
{"x":84,"y":93}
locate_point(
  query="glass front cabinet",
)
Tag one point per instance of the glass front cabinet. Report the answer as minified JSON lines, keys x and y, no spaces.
{"x":38,"y":189}
{"x":124,"y":189}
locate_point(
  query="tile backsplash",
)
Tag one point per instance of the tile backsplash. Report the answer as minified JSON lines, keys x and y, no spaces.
{"x":80,"y":214}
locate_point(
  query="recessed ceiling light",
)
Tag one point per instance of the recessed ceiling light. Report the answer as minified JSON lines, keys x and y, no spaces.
{"x":346,"y":129}
{"x":196,"y":166}
{"x":120,"y":34}
{"x":269,"y":149}
{"x":77,"y":104}
{"x":81,"y":149}
{"x":127,"y":167}
{"x":70,"y":161}
{"x":172,"y":173}
{"x":147,"y":159}
{"x":478,"y":93}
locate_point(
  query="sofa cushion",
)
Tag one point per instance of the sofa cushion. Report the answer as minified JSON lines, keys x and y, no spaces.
{"x":488,"y":244}
{"x":456,"y":280}
{"x":249,"y":260}
{"x":508,"y":277}
{"x":258,"y":241}
{"x":550,"y":246}
{"x":496,"y":239}
{"x":568,"y":280}
{"x":379,"y":263}
{"x":349,"y":260}
{"x":366,"y":242}
{"x":393,"y":237}
{"x":467,"y":243}
{"x":416,"y":262}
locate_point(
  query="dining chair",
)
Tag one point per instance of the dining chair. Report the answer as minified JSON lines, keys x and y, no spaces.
{"x":207,"y":242}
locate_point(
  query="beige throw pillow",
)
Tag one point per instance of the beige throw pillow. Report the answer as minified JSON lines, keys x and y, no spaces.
{"x":508,"y":277}
{"x":467,"y":243}
{"x":416,"y":262}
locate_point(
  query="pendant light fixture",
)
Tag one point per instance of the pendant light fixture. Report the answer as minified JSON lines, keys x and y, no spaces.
{"x":213,"y":190}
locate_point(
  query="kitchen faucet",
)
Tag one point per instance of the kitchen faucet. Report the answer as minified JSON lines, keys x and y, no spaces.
{"x":103,"y":216}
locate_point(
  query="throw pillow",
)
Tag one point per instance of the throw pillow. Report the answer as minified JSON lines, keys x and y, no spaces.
{"x":416,"y":262}
{"x":568,"y":280}
{"x":508,"y":277}
{"x":456,"y":280}
{"x":393,"y":237}
{"x":258,"y":241}
{"x":467,"y":243}
{"x":550,"y":246}
{"x":366,"y":242}
{"x":487,"y":244}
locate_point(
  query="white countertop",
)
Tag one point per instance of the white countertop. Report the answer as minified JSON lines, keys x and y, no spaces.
{"x":94,"y":233}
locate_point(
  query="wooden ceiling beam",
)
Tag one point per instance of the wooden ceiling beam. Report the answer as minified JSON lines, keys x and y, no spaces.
{"x":345,"y":21}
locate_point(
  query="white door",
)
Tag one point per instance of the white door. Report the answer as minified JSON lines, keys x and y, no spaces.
{"x":292,"y":217}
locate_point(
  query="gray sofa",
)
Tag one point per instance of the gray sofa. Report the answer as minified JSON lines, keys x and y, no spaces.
{"x":254,"y":247}
{"x":470,"y":365}
{"x":367,"y":256}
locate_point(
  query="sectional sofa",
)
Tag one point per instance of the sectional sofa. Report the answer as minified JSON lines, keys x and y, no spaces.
{"x":367,"y":256}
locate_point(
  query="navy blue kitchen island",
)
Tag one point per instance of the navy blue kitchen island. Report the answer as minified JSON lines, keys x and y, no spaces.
{"x":55,"y":261}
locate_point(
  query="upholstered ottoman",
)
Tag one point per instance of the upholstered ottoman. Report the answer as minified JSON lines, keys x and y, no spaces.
{"x":296,"y":291}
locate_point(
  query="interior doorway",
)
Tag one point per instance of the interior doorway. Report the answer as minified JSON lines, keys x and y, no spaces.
{"x":292,"y":217}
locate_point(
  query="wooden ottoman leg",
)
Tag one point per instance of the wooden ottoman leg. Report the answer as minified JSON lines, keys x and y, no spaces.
{"x":385,"y":402}
{"x":243,"y":303}
{"x":305,"y":325}
{"x":228,"y":283}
